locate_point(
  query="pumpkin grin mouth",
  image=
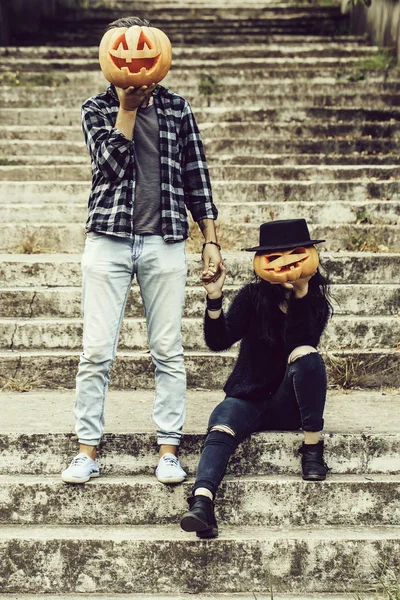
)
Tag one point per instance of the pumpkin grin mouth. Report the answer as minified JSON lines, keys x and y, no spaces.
{"x":287,"y":268}
{"x":136,"y":65}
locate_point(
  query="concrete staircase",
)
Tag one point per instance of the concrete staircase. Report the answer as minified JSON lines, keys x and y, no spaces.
{"x":301,"y":124}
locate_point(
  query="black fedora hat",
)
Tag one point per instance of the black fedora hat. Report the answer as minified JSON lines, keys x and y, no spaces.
{"x":283,"y":235}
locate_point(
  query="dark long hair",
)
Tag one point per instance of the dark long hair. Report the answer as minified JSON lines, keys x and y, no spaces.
{"x":267,"y":297}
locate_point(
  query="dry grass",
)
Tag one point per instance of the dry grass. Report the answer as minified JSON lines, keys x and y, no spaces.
{"x":31,"y":244}
{"x":365,"y":242}
{"x":357,"y":371}
{"x":386,"y":585}
{"x":21,"y":384}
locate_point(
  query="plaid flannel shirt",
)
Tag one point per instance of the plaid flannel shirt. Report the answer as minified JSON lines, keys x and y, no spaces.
{"x":184,"y":173}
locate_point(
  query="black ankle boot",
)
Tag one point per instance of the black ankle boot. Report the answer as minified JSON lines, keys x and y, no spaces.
{"x":312,"y":461}
{"x":200,"y":517}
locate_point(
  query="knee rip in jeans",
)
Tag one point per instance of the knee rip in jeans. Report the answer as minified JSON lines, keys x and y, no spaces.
{"x":299,"y":352}
{"x":223,"y":429}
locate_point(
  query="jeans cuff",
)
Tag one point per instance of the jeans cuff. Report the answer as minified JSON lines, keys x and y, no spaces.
{"x":89,"y":442}
{"x":168,"y":441}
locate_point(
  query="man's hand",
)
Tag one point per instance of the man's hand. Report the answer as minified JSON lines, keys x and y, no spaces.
{"x":212,"y":260}
{"x":131,"y":98}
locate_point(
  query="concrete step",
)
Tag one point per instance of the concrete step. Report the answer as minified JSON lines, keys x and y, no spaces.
{"x":272,"y":501}
{"x":63,"y":270}
{"x":246,"y":145}
{"x":186,"y":82}
{"x":243,"y":559}
{"x":211,"y":63}
{"x":45,"y":238}
{"x":28,"y":97}
{"x":358,"y":159}
{"x":65,"y":302}
{"x":361,"y":435}
{"x":292,"y":48}
{"x":71,"y":116}
{"x":57,"y":368}
{"x":68,"y":195}
{"x":373,"y":211}
{"x":35,"y":334}
{"x":81,"y":172}
{"x":188,"y":596}
{"x":254,"y":130}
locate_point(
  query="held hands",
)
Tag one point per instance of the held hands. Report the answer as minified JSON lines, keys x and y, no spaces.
{"x":131,"y":98}
{"x":214,"y":286}
{"x":212,"y":260}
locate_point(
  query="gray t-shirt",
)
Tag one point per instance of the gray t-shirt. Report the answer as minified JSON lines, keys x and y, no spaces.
{"x":147,"y":206}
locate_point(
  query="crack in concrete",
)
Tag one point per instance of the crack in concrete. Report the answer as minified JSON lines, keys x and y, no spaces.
{"x":13,"y":336}
{"x":31,"y":305}
{"x":17,"y":368}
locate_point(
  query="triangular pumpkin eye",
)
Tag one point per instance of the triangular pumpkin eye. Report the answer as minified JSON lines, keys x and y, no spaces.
{"x":143,"y":39}
{"x":300,"y":250}
{"x":273,"y":257}
{"x":120,"y":40}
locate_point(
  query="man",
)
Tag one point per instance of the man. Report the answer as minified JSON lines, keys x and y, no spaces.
{"x":148,"y":162}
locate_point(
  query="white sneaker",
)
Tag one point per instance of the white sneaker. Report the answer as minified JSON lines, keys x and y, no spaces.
{"x":169,"y":469}
{"x":81,"y":469}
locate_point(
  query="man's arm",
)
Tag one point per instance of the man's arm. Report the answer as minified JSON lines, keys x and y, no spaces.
{"x":129,"y":101}
{"x":110,"y":146}
{"x":198,"y":193}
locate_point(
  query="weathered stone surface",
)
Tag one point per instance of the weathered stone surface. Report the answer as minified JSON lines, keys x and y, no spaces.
{"x":62,"y":116}
{"x":343,"y":332}
{"x":45,"y":302}
{"x":70,"y":194}
{"x":46,"y":238}
{"x":269,"y":501}
{"x":57,"y":368}
{"x":62,"y":270}
{"x":339,"y":212}
{"x":120,"y":559}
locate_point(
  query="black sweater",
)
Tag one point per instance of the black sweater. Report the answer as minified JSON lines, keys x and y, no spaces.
{"x":261,"y":365}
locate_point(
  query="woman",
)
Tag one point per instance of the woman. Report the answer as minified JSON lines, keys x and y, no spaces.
{"x":279,"y":379}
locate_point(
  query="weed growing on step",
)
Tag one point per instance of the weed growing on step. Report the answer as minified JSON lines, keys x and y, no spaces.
{"x":382,"y":60}
{"x":363,"y":218}
{"x":386,"y":586}
{"x":6,"y":162}
{"x":23,"y":384}
{"x":209,"y":87}
{"x":364,"y":241}
{"x":357,"y":371}
{"x":31,"y":244}
{"x":45,"y":79}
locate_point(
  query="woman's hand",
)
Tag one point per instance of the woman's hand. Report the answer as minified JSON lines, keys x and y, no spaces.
{"x":299,"y":286}
{"x":214,"y":288}
{"x":131,"y":98}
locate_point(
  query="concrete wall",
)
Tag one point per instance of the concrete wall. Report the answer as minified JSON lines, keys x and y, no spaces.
{"x":381,"y":21}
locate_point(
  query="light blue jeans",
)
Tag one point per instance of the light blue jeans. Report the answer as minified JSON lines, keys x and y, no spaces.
{"x":109,"y":264}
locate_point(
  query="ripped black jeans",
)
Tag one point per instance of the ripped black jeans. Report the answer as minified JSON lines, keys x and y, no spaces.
{"x":298,"y":403}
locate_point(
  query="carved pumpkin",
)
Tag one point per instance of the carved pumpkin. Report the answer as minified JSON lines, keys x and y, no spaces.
{"x":135,"y":56}
{"x":287,"y":265}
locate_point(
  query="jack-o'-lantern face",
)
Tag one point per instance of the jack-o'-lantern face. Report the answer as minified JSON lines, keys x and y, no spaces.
{"x":286,"y":265}
{"x":135,"y":56}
